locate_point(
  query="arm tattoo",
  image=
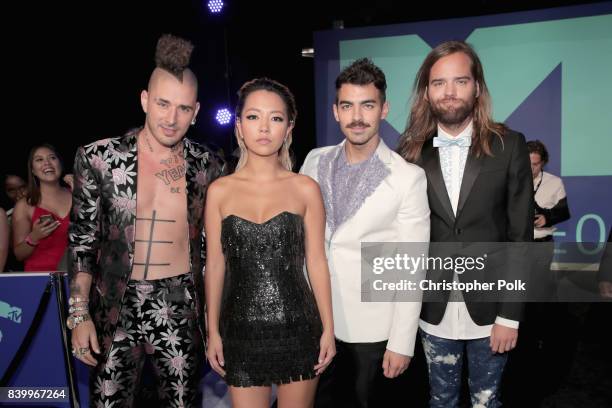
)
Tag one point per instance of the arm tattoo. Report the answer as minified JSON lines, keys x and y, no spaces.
{"x":75,"y":289}
{"x":151,"y":241}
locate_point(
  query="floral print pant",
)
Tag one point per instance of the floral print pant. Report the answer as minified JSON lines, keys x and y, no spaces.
{"x":158,"y":321}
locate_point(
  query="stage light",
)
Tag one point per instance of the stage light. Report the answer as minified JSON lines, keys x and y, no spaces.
{"x":308,"y":52}
{"x":215,"y":6}
{"x":223,"y":116}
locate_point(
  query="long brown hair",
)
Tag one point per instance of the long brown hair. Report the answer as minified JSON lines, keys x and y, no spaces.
{"x":33,"y":194}
{"x":422,"y":124}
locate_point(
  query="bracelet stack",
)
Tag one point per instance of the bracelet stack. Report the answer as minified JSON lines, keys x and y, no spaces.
{"x":79,"y":311}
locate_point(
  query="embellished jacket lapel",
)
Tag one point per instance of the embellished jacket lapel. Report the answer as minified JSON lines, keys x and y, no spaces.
{"x":325,"y":176}
{"x":375,"y":172}
{"x":369,"y":181}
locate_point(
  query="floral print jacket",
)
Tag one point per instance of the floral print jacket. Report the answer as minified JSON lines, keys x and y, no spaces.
{"x":102,"y":224}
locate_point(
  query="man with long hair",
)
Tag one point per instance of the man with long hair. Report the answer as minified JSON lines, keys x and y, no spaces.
{"x":480,"y":190}
{"x":136,"y":244}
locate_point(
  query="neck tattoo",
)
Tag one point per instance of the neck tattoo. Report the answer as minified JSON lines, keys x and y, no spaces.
{"x":146,"y":138}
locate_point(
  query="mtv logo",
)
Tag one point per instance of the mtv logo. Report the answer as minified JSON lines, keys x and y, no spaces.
{"x":15,"y":315}
{"x":12,"y":313}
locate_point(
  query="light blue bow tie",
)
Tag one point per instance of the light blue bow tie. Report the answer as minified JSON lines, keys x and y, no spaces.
{"x":439,"y":141}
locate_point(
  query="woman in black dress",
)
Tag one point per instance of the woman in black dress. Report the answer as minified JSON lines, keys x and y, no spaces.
{"x":265,"y":324}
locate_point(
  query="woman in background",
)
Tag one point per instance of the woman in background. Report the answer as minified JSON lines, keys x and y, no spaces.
{"x":40,"y":220}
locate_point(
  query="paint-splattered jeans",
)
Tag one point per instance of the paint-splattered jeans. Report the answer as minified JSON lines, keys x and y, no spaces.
{"x":444,"y":363}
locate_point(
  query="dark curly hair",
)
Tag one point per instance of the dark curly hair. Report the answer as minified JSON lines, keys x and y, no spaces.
{"x":173,"y":54}
{"x":535,"y":146}
{"x":363,"y":72}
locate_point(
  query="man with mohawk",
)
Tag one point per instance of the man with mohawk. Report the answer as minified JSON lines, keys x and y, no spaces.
{"x":136,"y":244}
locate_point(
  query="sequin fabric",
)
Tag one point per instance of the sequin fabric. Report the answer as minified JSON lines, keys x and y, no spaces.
{"x":346,"y":187}
{"x":269,"y":322}
{"x":348,"y":199}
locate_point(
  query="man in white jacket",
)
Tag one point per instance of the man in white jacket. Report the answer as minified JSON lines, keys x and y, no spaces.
{"x":371,"y":195}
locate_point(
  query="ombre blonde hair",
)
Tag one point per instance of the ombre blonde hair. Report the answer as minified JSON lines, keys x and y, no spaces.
{"x":270,"y":85}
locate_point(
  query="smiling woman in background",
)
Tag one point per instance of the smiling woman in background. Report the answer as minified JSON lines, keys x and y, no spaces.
{"x":41,"y":219}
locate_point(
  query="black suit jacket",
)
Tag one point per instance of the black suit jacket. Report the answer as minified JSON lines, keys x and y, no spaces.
{"x":495,"y":205}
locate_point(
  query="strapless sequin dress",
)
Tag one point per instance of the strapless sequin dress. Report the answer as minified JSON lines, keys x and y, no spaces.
{"x":269,"y":322}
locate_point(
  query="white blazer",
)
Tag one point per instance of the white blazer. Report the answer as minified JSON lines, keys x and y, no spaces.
{"x":396,"y":211}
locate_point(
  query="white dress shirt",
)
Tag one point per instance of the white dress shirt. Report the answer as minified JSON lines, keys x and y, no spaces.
{"x":457,"y":324}
{"x":549,"y":190}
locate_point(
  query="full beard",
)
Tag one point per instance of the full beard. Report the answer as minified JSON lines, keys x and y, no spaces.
{"x":454,"y":115}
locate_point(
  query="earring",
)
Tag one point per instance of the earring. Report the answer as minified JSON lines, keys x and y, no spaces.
{"x":193,"y":121}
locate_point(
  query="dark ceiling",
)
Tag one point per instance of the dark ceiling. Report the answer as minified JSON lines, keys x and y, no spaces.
{"x":75,"y":71}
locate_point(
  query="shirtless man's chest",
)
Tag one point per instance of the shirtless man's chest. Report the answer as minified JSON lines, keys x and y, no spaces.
{"x":162,"y":234}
